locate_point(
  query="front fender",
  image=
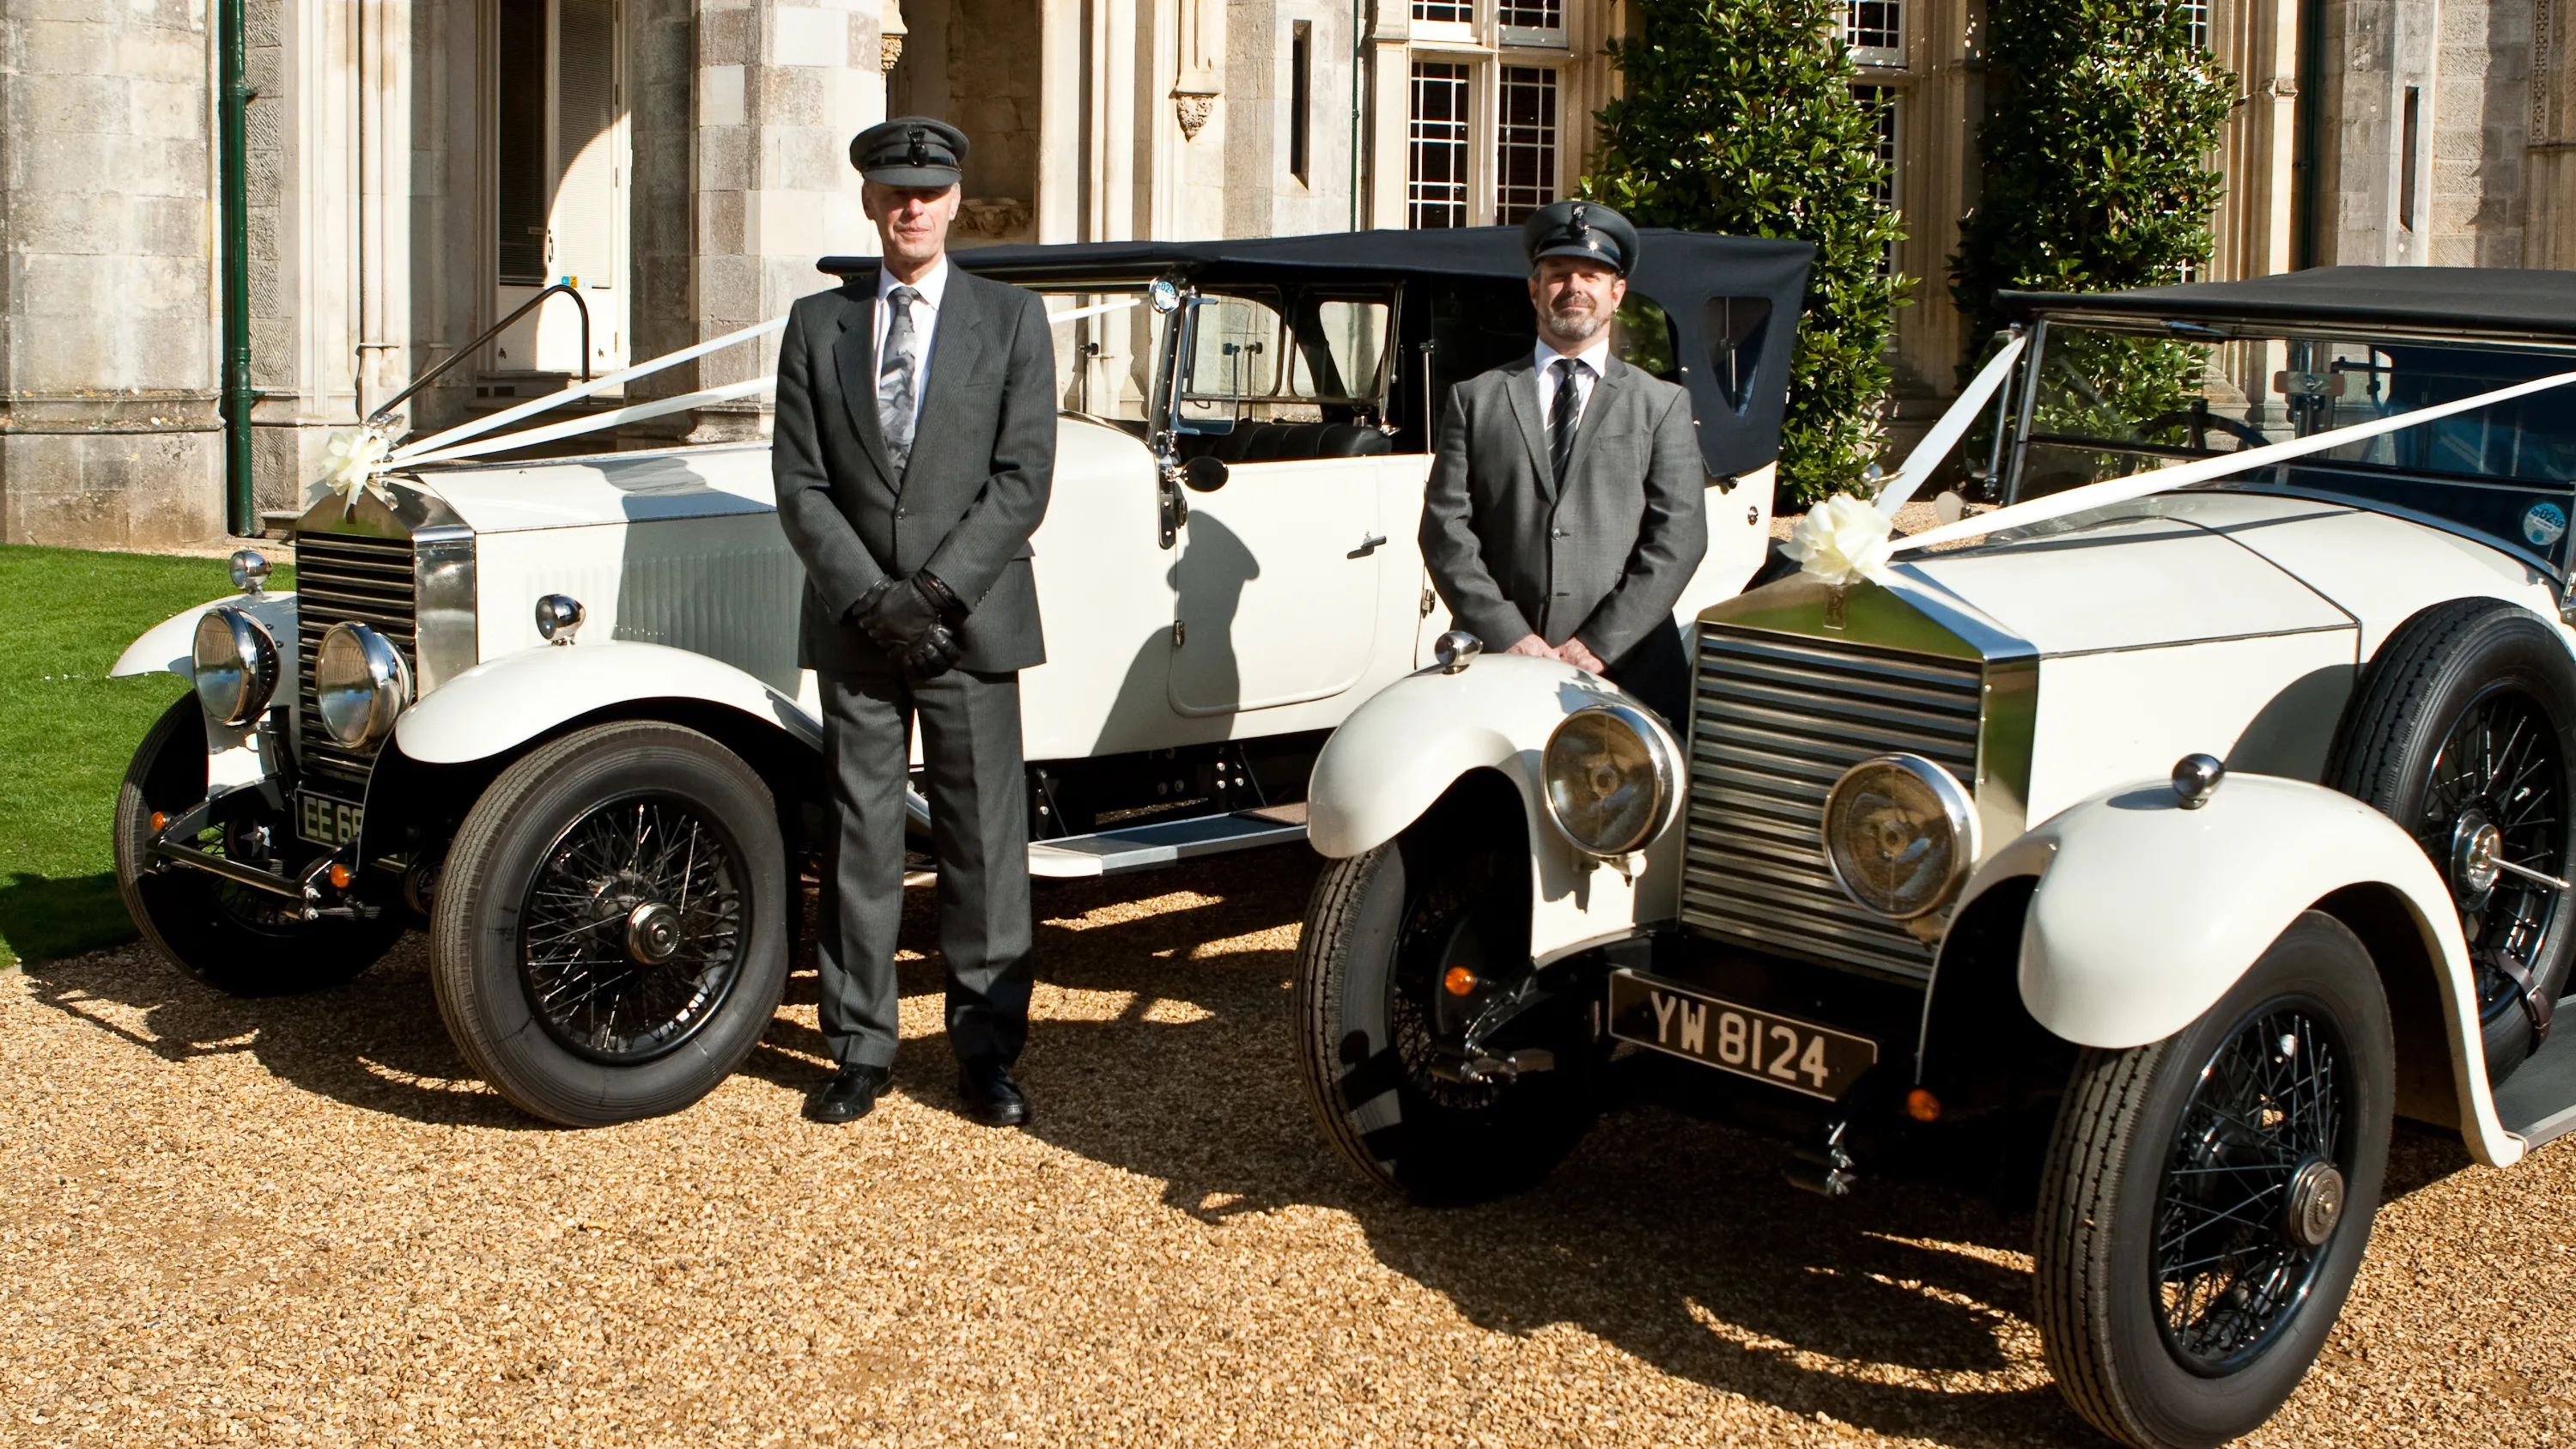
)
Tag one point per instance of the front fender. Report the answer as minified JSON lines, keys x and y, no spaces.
{"x":169,"y":647}
{"x":2146,"y":913}
{"x":1397,"y":754}
{"x":503,"y":703}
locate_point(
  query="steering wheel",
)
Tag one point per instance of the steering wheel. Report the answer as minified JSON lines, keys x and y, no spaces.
{"x":2186,"y":417}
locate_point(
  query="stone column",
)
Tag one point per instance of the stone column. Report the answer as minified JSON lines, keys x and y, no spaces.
{"x":109,"y":435}
{"x":780,"y":90}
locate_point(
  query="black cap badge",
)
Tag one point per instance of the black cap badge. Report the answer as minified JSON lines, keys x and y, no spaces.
{"x":919,"y":155}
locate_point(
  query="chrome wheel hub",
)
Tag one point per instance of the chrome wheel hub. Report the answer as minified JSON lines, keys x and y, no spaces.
{"x":2475,"y":845}
{"x":652,"y":934}
{"x":2314,"y":1203}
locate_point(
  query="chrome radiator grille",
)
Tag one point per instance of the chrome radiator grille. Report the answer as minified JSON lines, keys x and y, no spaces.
{"x":346,"y":577}
{"x":1777,"y":719}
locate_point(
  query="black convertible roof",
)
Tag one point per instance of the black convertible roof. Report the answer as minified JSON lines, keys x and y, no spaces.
{"x":2494,"y":302}
{"x":1683,"y":271}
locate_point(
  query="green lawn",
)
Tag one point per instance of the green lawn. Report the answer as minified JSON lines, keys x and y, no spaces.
{"x":67,"y":730}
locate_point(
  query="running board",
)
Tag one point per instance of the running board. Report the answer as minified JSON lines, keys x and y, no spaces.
{"x":1166,"y":842}
{"x":2538,"y":1102}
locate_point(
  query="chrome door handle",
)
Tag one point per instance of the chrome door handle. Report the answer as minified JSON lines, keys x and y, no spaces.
{"x":1368,"y":545}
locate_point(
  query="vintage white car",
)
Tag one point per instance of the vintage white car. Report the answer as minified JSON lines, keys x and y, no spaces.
{"x":2198,"y":834}
{"x":551,"y":711}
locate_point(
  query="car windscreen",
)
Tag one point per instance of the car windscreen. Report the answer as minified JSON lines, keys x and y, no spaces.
{"x":2106,"y":402}
{"x":1106,"y":346}
{"x":1261,"y":355}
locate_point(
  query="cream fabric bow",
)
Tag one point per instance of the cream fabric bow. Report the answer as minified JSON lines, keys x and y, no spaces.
{"x":351,"y":461}
{"x":1842,"y":539}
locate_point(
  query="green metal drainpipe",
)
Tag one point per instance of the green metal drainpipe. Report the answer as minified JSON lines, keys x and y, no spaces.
{"x":2306,"y":176}
{"x":1359,"y":47}
{"x":240,"y":515}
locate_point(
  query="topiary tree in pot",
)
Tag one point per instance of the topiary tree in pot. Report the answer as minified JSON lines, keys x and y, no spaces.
{"x":1738,"y":117}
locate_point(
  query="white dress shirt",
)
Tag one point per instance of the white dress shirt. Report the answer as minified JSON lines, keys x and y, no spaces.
{"x":925,"y":326}
{"x":1591,"y":361}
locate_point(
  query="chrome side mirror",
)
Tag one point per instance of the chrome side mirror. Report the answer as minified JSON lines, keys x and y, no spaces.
{"x":559,"y":617}
{"x":249,"y":571}
{"x":1456,"y":649}
{"x":1204,"y":474}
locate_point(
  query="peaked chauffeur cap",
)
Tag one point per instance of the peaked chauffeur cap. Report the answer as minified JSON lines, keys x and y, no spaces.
{"x":910,"y":151}
{"x":1580,"y":229}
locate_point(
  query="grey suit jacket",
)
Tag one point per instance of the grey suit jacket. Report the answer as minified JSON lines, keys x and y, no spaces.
{"x":983,"y":458}
{"x":1606,"y":559}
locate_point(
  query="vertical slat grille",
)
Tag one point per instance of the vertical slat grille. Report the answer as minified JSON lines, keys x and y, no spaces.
{"x":1778,"y":718}
{"x":346,"y":577}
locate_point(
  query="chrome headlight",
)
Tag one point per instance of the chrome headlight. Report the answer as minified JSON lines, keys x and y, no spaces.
{"x":236,"y":666}
{"x":1611,"y":772}
{"x":1900,"y":833}
{"x":360,"y":683}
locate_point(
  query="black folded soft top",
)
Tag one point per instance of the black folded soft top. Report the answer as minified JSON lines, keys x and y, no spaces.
{"x":2471,"y":302}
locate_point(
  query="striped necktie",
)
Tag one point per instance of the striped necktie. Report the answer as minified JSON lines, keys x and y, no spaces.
{"x":1564,"y":416}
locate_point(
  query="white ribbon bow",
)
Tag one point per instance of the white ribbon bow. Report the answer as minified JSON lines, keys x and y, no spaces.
{"x":1842,"y":539}
{"x":351,"y":461}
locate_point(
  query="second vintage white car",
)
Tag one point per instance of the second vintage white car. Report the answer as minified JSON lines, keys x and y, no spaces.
{"x":2190,"y":839}
{"x":551,"y":712}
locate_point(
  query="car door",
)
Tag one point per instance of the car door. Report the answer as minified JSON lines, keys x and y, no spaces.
{"x":1277,"y":587}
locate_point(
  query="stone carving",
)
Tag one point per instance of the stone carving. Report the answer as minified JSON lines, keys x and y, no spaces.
{"x":1194,"y":108}
{"x":891,"y":52}
{"x":993,"y":216}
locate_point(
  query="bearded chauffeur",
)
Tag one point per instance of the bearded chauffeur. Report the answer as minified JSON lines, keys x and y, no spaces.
{"x":1564,"y":512}
{"x":913,"y":450}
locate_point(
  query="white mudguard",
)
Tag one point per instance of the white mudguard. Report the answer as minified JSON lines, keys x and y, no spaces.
{"x":502,"y":703}
{"x":169,"y":647}
{"x":2146,"y":913}
{"x":1401,"y":751}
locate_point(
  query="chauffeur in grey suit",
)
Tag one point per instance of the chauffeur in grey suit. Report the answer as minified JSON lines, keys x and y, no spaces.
{"x":1564,"y":511}
{"x":913,"y":449}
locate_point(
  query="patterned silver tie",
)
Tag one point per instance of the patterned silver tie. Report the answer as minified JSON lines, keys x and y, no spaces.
{"x":897,"y":373}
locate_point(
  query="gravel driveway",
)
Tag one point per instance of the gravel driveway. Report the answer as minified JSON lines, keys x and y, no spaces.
{"x":289,"y":1221}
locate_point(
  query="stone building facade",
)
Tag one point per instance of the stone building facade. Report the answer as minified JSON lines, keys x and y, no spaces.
{"x":416,"y":170}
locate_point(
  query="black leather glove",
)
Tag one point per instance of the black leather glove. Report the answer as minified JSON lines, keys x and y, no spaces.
{"x":915,"y":621}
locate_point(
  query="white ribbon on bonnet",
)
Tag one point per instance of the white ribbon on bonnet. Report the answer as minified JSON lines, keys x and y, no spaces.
{"x":1840,"y":543}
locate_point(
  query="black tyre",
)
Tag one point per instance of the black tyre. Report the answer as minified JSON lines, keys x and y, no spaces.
{"x":231,"y":937}
{"x":609,"y":937}
{"x":2464,"y":733}
{"x":1379,"y":1035}
{"x":2207,"y":1198}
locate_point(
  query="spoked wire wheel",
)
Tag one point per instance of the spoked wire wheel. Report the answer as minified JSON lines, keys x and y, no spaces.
{"x":631,"y":933}
{"x":609,"y":935}
{"x":2493,"y":799}
{"x":2254,"y":1186}
{"x":2208,"y":1197}
{"x":2463,"y":733}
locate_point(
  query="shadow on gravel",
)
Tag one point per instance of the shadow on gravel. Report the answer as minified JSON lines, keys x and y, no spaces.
{"x":376,"y":1043}
{"x":1669,"y":1238}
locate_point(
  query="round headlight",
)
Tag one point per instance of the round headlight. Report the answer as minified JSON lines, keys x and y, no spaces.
{"x":1901,"y":834}
{"x":236,"y":666}
{"x":360,"y":683}
{"x":1610,"y":774}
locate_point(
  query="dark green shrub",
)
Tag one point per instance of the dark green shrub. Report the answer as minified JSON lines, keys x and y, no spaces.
{"x":2102,"y":116}
{"x":1739,"y":118}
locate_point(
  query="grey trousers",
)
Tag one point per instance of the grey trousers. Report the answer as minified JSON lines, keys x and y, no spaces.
{"x":978,"y":787}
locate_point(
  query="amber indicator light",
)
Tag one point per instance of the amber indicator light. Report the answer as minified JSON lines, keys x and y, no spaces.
{"x":1922,"y":1106}
{"x":1459,"y":980}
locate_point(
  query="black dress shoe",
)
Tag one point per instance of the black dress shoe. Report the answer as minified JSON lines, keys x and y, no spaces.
{"x":993,"y":1097}
{"x":850,"y":1094}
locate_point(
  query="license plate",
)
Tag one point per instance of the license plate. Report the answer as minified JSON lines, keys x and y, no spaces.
{"x":1800,"y":1056}
{"x":327,"y":822}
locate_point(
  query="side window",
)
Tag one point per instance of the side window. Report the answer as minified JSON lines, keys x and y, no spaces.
{"x":1736,"y":328}
{"x":1641,"y":334}
{"x":1341,"y":346}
